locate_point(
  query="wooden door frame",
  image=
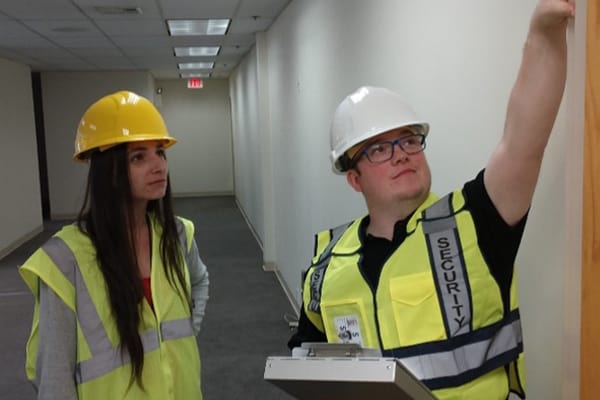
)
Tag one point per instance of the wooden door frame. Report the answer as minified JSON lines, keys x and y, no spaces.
{"x":590,"y":244}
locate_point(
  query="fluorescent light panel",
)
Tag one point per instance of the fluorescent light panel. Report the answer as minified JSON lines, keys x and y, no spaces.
{"x":197,"y":51}
{"x":188,"y":27}
{"x":195,"y":74}
{"x":196,"y":65}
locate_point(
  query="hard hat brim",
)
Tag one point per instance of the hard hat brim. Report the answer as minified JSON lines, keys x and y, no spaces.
{"x":84,"y":155}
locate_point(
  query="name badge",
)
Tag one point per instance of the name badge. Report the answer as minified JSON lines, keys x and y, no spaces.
{"x":348,"y":329}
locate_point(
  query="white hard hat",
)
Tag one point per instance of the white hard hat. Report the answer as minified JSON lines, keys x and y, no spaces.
{"x":365,"y":113}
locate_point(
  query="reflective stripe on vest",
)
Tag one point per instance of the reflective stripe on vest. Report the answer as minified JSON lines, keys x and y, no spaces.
{"x":105,"y":357}
{"x":466,"y":353}
{"x":316,"y":279}
{"x":445,"y":255}
{"x":461,"y":359}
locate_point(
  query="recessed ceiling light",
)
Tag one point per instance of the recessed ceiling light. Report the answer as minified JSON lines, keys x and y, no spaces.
{"x":195,"y":74}
{"x":197,"y":51}
{"x":196,"y":65}
{"x":187,"y":27}
{"x":115,"y":10}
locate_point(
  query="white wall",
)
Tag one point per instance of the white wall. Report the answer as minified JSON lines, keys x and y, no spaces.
{"x":248,"y":150}
{"x":253,"y":151}
{"x":20,"y":202}
{"x":455,"y":62}
{"x":571,"y":266}
{"x":200,"y":119}
{"x":66,"y":96}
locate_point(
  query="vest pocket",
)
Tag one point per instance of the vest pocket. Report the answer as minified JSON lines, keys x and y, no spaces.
{"x":345,"y":322}
{"x":416,"y":309}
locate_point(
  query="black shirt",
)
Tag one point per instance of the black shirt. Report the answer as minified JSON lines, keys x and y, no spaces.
{"x":498,"y":242}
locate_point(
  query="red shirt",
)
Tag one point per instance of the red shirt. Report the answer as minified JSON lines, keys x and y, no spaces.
{"x":146,"y":284}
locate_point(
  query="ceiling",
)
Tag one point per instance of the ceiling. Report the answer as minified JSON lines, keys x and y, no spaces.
{"x":73,"y":35}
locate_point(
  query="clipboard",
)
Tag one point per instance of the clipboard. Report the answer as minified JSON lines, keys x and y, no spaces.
{"x":325,"y":371}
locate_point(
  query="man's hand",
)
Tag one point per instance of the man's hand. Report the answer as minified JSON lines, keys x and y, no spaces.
{"x":551,"y":14}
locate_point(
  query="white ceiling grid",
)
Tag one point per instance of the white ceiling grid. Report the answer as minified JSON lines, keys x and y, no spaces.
{"x":72,"y":35}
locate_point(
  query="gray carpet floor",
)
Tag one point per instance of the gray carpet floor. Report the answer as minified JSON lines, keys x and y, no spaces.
{"x":245,"y":319}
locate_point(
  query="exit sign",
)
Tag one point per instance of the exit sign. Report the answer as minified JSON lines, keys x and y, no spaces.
{"x":195,"y":83}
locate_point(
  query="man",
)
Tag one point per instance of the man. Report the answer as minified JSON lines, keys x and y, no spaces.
{"x":431,"y":281}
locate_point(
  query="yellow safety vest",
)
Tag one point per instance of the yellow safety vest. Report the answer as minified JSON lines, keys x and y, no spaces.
{"x":437,"y":308}
{"x":67,"y":264}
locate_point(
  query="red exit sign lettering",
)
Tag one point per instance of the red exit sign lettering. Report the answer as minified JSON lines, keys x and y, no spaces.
{"x":195,"y":83}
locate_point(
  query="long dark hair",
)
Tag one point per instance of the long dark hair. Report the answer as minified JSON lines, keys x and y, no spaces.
{"x":107,"y":217}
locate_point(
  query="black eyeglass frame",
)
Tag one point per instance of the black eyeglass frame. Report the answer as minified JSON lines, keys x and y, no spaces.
{"x":393,"y":143}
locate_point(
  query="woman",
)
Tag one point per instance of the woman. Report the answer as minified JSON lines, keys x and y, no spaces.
{"x":120,"y":295}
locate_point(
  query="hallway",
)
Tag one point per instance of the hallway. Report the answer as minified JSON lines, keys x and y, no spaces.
{"x":244,"y":322}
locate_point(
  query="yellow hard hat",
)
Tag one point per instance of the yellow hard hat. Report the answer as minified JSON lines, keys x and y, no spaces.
{"x":118,"y":118}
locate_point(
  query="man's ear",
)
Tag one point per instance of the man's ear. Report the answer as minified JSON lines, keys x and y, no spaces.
{"x":353,"y":178}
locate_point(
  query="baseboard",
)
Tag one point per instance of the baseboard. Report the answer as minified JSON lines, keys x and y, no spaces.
{"x":63,"y":217}
{"x":250,"y":226}
{"x":15,"y":244}
{"x":270,"y":266}
{"x":286,"y":289}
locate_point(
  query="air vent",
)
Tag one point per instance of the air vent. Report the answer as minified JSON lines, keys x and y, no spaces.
{"x":113,"y":10}
{"x":69,"y":29}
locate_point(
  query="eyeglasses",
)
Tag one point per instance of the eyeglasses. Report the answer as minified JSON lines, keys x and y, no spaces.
{"x":383,"y":151}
